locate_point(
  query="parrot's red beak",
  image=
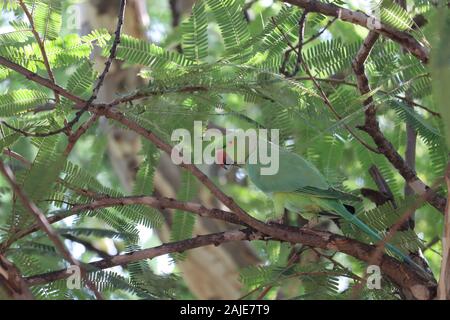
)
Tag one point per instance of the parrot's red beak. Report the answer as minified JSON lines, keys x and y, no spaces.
{"x":222,"y":159}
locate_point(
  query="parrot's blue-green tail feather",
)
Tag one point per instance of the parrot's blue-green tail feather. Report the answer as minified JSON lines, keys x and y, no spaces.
{"x":342,"y":211}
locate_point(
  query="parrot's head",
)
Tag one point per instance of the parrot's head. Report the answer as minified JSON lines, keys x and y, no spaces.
{"x":230,"y":151}
{"x":224,"y":156}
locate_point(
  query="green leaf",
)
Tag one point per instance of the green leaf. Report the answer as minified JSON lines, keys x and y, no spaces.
{"x":47,"y":17}
{"x":195,"y":33}
{"x":233,"y":27}
{"x":81,"y":82}
{"x":148,"y":54}
{"x":183,"y":222}
{"x":20,"y":101}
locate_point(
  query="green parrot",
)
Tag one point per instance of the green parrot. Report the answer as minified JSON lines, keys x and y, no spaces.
{"x":299,"y":187}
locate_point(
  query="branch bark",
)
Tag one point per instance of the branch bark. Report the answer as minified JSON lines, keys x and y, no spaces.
{"x":40,"y":44}
{"x":154,"y":202}
{"x":371,"y":126}
{"x":180,"y":246}
{"x":406,"y":40}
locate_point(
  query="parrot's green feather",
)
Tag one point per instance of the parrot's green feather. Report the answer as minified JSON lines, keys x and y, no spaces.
{"x":330,"y":193}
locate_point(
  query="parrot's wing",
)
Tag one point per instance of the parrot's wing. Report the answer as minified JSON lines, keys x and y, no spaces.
{"x":330,"y":193}
{"x":294,"y":173}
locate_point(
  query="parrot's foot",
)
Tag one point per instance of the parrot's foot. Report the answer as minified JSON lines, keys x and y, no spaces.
{"x":276,"y":221}
{"x":318,"y":225}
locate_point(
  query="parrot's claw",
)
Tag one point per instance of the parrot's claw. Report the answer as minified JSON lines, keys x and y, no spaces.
{"x":280,"y":220}
{"x":276,"y":221}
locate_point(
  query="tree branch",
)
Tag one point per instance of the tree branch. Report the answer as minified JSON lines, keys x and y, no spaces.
{"x":406,"y":40}
{"x":319,"y":33}
{"x":45,"y":225}
{"x":180,"y":246}
{"x":154,"y":202}
{"x":405,"y":278}
{"x":40,"y":80}
{"x":371,"y":126}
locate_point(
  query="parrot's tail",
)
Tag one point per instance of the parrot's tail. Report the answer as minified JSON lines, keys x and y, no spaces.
{"x":342,"y":211}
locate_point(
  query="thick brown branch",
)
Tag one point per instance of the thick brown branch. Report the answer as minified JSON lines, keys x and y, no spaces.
{"x":398,"y":272}
{"x":154,"y":202}
{"x":371,"y":126}
{"x":180,"y":246}
{"x":406,"y":40}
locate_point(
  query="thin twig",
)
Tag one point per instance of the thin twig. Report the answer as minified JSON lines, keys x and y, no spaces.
{"x":89,"y":246}
{"x":41,"y":46}
{"x":74,"y":137}
{"x":351,"y":84}
{"x":318,"y":34}
{"x":298,"y":49}
{"x":180,"y":246}
{"x":340,"y":265}
{"x":154,"y":202}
